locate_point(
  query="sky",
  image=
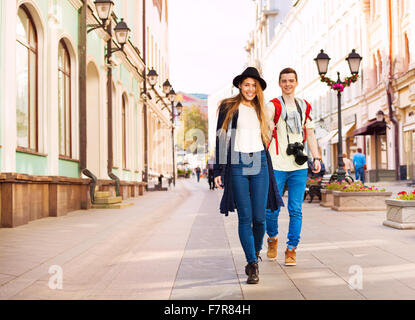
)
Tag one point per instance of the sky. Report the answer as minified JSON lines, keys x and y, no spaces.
{"x":206,"y":42}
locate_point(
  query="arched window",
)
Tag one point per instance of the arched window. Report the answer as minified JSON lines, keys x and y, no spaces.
{"x":64,"y":100}
{"x":379,"y":74}
{"x":375,"y":72}
{"x":124,"y":131}
{"x":407,"y":60}
{"x":26,"y":81}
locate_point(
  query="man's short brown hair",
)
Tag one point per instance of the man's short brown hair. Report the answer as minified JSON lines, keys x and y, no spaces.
{"x":288,"y":70}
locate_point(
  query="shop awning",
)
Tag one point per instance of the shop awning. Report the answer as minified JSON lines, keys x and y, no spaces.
{"x":345,"y":132}
{"x":327,"y":138}
{"x":320,"y":133}
{"x":371,"y":128}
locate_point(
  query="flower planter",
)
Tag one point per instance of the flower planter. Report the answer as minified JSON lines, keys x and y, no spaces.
{"x":360,"y":201}
{"x":326,"y":198}
{"x":400,"y":214}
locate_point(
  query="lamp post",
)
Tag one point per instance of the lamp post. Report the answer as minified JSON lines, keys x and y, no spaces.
{"x":172,"y":97}
{"x":380,"y":117}
{"x":322,"y":61}
{"x":104,"y":9}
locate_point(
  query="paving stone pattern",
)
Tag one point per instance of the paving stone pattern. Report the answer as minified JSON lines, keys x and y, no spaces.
{"x":175,"y":245}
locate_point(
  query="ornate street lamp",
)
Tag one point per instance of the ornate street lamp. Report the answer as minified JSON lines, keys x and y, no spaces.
{"x":152,"y":77}
{"x":172,"y":96}
{"x":380,"y":116}
{"x":322,"y":62}
{"x":354,"y":60}
{"x":166,"y":87}
{"x":122,"y":32}
{"x":179,"y":108}
{"x":104,"y":9}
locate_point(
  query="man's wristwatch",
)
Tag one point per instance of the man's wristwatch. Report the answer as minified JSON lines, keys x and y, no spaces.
{"x":316,"y":159}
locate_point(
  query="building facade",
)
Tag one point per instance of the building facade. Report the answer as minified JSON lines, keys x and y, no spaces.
{"x":380,"y":31}
{"x":54,"y":110}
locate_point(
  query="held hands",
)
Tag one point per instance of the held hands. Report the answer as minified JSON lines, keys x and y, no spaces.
{"x":218,"y":182}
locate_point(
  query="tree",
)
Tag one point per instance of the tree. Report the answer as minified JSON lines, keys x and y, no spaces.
{"x":194,"y":132}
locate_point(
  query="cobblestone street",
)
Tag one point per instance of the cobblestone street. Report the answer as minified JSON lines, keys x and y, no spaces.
{"x":175,"y":245}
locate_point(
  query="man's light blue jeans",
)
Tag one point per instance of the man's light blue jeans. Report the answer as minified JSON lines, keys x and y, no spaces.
{"x":296,"y":181}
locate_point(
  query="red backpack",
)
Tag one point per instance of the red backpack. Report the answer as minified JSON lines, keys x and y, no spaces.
{"x":278,"y":108}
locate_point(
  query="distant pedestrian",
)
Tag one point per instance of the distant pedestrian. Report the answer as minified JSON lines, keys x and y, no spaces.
{"x":359,"y":162}
{"x":210,"y":176}
{"x":243,"y":166}
{"x":347,"y":164}
{"x":198,"y":171}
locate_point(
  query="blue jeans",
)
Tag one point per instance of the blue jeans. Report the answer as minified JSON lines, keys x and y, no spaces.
{"x":296,"y":181}
{"x":360,"y":174}
{"x":250,"y":183}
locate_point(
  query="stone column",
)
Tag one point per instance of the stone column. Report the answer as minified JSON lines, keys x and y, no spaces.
{"x":52,"y":123}
{"x":8,"y":82}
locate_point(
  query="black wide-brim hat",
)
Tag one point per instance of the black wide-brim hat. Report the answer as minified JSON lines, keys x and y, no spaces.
{"x":250,"y":72}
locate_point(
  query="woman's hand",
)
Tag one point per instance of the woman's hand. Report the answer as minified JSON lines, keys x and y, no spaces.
{"x":218,"y":182}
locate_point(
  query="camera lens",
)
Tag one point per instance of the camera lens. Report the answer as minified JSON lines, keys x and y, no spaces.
{"x":301,"y":158}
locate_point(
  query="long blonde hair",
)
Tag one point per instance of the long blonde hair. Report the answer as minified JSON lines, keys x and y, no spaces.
{"x":231,"y":105}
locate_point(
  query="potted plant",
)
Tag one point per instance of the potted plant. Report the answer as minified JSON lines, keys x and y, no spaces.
{"x":327,"y":192}
{"x":400,"y":212}
{"x":357,"y":197}
{"x":312,"y":182}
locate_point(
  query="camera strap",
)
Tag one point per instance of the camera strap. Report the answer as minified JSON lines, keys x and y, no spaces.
{"x":286,"y":117}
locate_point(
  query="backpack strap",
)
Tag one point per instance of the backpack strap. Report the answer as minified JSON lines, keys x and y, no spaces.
{"x":277,"y":115}
{"x":307,"y":116}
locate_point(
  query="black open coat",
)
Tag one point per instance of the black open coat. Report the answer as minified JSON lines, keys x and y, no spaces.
{"x":223,"y":167}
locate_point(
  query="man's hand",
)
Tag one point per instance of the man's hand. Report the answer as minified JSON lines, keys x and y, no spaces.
{"x":312,"y":145}
{"x":218,"y":182}
{"x":317,"y":166}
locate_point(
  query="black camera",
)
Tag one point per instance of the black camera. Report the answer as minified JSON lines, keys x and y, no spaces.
{"x":296,"y":149}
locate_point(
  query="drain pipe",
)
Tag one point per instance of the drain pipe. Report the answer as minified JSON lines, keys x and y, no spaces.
{"x":109,"y":112}
{"x":389,"y":90}
{"x":82,"y":100}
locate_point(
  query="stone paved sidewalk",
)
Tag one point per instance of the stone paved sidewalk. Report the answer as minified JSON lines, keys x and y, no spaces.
{"x":175,"y":245}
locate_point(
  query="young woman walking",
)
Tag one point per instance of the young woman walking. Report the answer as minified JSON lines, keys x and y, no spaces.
{"x":243,"y":165}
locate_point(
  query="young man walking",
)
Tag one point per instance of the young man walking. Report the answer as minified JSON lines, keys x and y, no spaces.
{"x":293,"y":128}
{"x":359,"y":162}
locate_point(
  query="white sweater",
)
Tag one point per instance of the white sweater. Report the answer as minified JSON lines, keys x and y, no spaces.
{"x":248,"y":132}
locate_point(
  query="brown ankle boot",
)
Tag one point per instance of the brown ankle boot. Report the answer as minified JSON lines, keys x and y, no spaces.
{"x":252,"y":271}
{"x":272,"y":248}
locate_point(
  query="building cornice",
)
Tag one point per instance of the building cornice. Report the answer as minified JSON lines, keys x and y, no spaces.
{"x":374,"y":93}
{"x":404,"y":80}
{"x":77,"y":4}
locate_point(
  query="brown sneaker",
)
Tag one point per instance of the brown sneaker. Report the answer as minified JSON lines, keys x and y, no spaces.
{"x":290,"y":257}
{"x":272,"y":248}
